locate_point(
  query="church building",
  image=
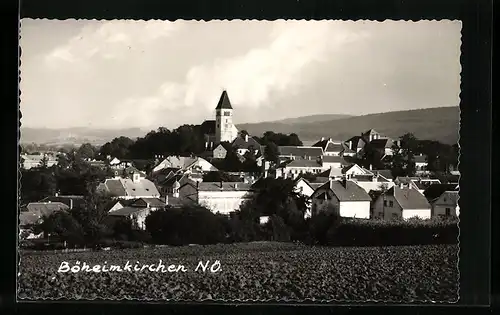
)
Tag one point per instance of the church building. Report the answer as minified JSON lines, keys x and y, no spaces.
{"x":222,"y":128}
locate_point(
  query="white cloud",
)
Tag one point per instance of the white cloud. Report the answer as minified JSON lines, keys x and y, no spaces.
{"x":251,"y":78}
{"x":108,"y":40}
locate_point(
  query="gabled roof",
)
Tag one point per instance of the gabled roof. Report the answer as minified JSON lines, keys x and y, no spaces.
{"x":240,"y":143}
{"x":46,"y":208}
{"x":224,"y":186}
{"x":66,"y":199}
{"x":370,"y":132}
{"x":300,"y":151}
{"x":381,"y":143}
{"x":226,"y":145}
{"x":331,"y":172}
{"x":152,"y":202}
{"x":224,"y":102}
{"x":451,"y":196}
{"x":126,"y":211}
{"x":387,"y":174}
{"x":409,"y":198}
{"x":332,"y":159}
{"x":28,"y":218}
{"x":126,"y":187}
{"x":302,"y":163}
{"x":351,"y":191}
{"x":435,"y":191}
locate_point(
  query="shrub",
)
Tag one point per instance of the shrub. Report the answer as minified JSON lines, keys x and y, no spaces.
{"x":276,"y":230}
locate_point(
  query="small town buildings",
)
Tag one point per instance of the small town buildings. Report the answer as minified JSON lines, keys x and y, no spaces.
{"x":129,"y":188}
{"x":34,"y":213}
{"x":343,"y":196}
{"x":443,"y":199}
{"x":36,"y":160}
{"x":307,"y":188}
{"x":294,"y":168}
{"x":299,"y":153}
{"x":221,"y":150}
{"x":185,"y":164}
{"x":332,"y":161}
{"x":420,"y":164}
{"x":222,"y":129}
{"x":401,"y":201}
{"x":219,"y":197}
{"x":371,"y":182}
{"x":356,"y":144}
{"x":71,"y":201}
{"x":418,"y":183}
{"x":383,"y":146}
{"x":330,"y":147}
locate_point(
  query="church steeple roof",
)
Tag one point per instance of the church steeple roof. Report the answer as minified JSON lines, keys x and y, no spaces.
{"x":224,"y":102}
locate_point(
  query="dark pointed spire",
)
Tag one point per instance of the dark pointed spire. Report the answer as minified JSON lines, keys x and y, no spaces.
{"x":224,"y":102}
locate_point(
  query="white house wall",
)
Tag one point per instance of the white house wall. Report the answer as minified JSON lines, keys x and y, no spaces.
{"x":304,"y":189}
{"x":420,"y":213}
{"x":355,"y":209}
{"x":223,"y":202}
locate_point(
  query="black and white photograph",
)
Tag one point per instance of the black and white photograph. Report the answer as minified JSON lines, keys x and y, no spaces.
{"x":239,"y":160}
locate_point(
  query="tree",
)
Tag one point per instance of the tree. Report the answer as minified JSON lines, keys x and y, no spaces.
{"x":271,"y":153}
{"x":118,"y":147}
{"x":37,"y":183}
{"x":65,"y":226}
{"x":402,"y":159}
{"x":219,"y":176}
{"x":86,"y":151}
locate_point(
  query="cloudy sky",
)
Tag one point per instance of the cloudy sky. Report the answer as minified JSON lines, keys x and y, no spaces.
{"x":121,"y":74}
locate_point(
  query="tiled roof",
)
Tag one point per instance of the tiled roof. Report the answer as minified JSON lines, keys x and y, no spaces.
{"x":77,"y":200}
{"x":334,"y":147}
{"x":224,"y":186}
{"x":381,"y":143}
{"x":303,"y":163}
{"x":351,"y":191}
{"x":28,"y":218}
{"x":121,"y":187}
{"x":225,"y":145}
{"x":409,"y":198}
{"x":224,"y":102}
{"x":126,"y":211}
{"x":240,"y":143}
{"x":153,"y":202}
{"x":385,"y":173}
{"x":452,"y":196}
{"x":370,"y":132}
{"x":332,"y":159}
{"x":46,"y":208}
{"x":331,"y":172}
{"x":435,"y":191}
{"x":300,"y":151}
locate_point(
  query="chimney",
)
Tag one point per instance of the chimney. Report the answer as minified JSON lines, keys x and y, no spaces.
{"x":350,"y":145}
{"x":330,"y":180}
{"x":70,"y":204}
{"x":401,"y":185}
{"x":57,"y":194}
{"x":235,"y":186}
{"x":206,"y":145}
{"x":246,"y":137}
{"x":322,"y":138}
{"x":371,"y":167}
{"x":166,"y":199}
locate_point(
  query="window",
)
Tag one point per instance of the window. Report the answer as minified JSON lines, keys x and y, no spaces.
{"x":227,"y":114}
{"x":447,"y":212}
{"x":217,"y":125}
{"x":391,"y":203}
{"x":385,"y":203}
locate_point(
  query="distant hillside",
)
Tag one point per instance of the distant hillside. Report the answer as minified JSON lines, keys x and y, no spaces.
{"x":311,"y":119}
{"x":440,"y":124}
{"x":75,"y":135}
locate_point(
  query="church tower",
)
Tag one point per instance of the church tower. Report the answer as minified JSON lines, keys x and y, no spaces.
{"x":224,"y":127}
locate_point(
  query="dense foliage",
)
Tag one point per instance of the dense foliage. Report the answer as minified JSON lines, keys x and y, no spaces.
{"x":252,"y":271}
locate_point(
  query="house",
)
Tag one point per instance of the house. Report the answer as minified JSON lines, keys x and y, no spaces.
{"x":184,"y":163}
{"x":383,"y":145}
{"x":293,"y":168}
{"x":356,"y":144}
{"x":136,"y":214}
{"x":446,"y":205}
{"x":443,"y":199}
{"x":219,"y":197}
{"x":401,"y":201}
{"x":347,"y":151}
{"x":330,"y":173}
{"x":36,"y":160}
{"x":370,"y":182}
{"x":129,"y":188}
{"x":34,"y":213}
{"x":332,"y":161}
{"x":221,"y":150}
{"x":244,"y":142}
{"x":299,"y":153}
{"x":420,"y":164}
{"x":306,"y":188}
{"x":418,"y":183}
{"x":330,"y":147}
{"x":371,"y":135}
{"x":71,"y":201}
{"x":344,"y":196}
